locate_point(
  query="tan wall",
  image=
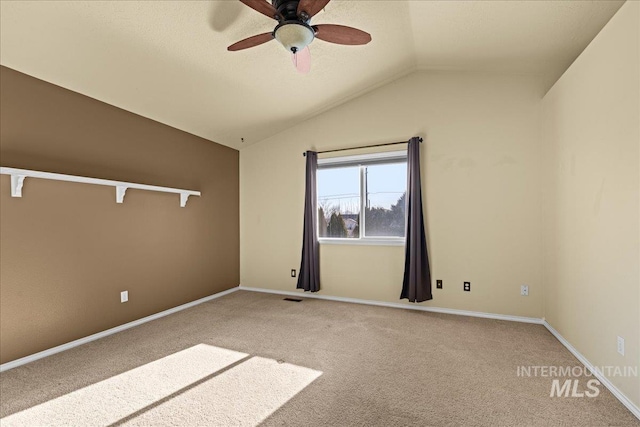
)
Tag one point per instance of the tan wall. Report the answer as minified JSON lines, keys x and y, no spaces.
{"x":67,"y":249}
{"x":481,"y":164}
{"x":592,"y":199}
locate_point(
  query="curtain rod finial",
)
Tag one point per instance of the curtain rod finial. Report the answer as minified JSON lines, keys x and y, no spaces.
{"x":420,"y":139}
{"x":304,"y":154}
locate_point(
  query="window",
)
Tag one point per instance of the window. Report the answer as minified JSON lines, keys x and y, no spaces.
{"x":361,"y":199}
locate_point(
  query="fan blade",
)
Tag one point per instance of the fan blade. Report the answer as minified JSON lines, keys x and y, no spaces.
{"x":302,"y":60}
{"x":251,"y":42}
{"x":263,"y":7}
{"x":341,"y":34}
{"x":311,"y":7}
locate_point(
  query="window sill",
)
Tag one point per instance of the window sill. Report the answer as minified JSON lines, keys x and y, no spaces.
{"x":360,"y":242}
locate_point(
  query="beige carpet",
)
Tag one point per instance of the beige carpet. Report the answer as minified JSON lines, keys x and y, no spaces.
{"x":251,"y":358}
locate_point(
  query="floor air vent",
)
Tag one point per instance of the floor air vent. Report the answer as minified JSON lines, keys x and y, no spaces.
{"x":292,"y":299}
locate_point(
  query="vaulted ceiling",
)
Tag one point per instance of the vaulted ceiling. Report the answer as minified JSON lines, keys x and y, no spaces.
{"x":167,"y":60}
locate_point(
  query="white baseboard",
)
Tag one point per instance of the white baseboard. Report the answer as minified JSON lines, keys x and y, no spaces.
{"x":635,"y":410}
{"x":69,"y":345}
{"x":400,"y":305}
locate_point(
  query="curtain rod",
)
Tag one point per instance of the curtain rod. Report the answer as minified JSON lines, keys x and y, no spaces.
{"x":362,"y":146}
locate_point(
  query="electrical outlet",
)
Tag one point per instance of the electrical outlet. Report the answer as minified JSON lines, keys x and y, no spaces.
{"x":124,"y":296}
{"x":467,"y":287}
{"x":524,"y":290}
{"x":439,"y":284}
{"x":621,"y":345}
{"x":293,"y":272}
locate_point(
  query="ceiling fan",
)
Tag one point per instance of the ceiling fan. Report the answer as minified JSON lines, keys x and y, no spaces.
{"x":294,"y":30}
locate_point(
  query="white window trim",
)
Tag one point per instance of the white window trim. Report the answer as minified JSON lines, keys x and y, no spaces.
{"x":388,"y":155}
{"x":351,"y":160}
{"x":364,"y":241}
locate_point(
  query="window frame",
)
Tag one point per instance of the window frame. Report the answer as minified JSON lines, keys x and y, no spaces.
{"x":360,"y":160}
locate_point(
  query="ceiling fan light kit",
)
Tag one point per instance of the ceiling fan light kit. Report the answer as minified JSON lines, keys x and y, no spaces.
{"x":294,"y":36}
{"x":294,"y":30}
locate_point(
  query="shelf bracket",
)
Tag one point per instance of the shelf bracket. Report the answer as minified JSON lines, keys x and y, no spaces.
{"x":17,"y":181}
{"x":120,"y":190}
{"x":183,"y":199}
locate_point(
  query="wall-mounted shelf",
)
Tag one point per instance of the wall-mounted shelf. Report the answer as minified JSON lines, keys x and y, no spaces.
{"x":18,"y":176}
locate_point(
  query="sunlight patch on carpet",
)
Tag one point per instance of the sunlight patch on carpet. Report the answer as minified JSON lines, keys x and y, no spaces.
{"x":244,"y":395}
{"x":115,"y":398}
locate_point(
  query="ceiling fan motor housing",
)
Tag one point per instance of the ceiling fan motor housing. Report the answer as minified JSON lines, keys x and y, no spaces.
{"x":288,"y":10}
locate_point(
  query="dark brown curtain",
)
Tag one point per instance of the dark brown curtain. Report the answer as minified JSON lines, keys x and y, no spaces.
{"x":416,"y":286}
{"x":309,"y":274}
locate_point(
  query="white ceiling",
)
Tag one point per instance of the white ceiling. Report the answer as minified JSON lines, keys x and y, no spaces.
{"x":167,"y":60}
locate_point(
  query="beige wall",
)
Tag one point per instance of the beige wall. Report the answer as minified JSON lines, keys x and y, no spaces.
{"x":592,"y":199}
{"x":67,"y":249}
{"x":481,"y":173}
